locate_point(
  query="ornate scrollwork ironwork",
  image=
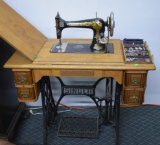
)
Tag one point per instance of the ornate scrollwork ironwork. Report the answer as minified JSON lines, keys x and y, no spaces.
{"x":109,"y":112}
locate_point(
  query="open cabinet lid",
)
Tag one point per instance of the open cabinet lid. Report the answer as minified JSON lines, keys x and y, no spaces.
{"x":19,"y":33}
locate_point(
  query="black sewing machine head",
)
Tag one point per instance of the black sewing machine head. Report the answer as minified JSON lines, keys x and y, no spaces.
{"x":97,"y":25}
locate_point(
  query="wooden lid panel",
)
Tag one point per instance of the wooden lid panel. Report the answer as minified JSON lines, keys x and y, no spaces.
{"x":19,"y":33}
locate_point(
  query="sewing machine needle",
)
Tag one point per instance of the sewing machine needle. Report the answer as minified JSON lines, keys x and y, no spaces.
{"x":60,"y":43}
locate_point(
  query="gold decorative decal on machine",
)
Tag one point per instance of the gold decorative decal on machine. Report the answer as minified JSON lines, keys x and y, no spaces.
{"x":96,"y":25}
{"x":133,"y":99}
{"x":22,"y":79}
{"x":135,"y":81}
{"x":25,"y":94}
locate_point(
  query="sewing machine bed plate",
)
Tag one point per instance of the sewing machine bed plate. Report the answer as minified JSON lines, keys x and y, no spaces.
{"x":78,"y":48}
{"x":46,"y":57}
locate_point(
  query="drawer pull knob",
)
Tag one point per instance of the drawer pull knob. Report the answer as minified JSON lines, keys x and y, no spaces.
{"x":135,"y":81}
{"x":133,"y":99}
{"x":25,"y":94}
{"x":22,"y":79}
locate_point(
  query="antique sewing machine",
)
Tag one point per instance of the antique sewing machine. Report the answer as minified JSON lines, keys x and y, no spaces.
{"x":99,"y":43}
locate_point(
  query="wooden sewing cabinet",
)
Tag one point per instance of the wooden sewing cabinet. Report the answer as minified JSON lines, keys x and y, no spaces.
{"x":28,"y":73}
{"x":33,"y":60}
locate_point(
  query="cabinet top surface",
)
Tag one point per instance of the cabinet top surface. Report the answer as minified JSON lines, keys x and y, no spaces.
{"x":103,"y":61}
{"x":45,"y":57}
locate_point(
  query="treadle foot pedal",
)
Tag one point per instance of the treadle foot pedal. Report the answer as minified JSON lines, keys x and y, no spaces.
{"x":78,"y":127}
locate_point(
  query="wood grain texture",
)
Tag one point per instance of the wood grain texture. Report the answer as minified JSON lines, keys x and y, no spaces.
{"x":133,"y":97}
{"x":117,"y":75}
{"x":18,"y":61}
{"x":20,"y":34}
{"x":45,"y":57}
{"x":92,"y":65}
{"x":135,"y":79}
{"x":78,"y":61}
{"x":39,"y":73}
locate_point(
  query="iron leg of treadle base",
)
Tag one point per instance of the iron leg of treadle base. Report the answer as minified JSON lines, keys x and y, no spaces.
{"x":117,"y":112}
{"x":44,"y":124}
{"x":48,"y":105}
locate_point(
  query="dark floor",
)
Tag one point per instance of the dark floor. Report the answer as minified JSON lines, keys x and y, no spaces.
{"x":138,"y":126}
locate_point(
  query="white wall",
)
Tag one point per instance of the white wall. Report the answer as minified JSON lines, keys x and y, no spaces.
{"x":134,"y":19}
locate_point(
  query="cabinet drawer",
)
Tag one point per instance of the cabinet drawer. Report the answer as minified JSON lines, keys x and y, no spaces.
{"x":26,"y":94}
{"x":23,"y":78}
{"x":133,"y":97}
{"x":135,"y":79}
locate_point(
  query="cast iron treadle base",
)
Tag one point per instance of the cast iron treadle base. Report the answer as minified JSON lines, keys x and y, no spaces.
{"x":78,"y":127}
{"x":109,"y":112}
